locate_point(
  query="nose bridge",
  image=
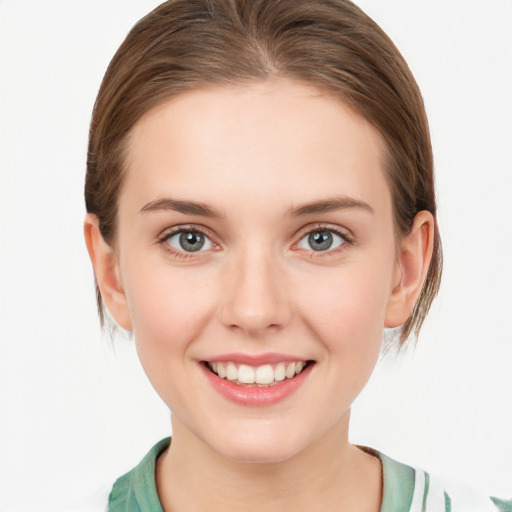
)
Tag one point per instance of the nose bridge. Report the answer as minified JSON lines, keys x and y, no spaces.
{"x":256,"y":298}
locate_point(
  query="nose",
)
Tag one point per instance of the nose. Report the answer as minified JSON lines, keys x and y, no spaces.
{"x":255,"y":299}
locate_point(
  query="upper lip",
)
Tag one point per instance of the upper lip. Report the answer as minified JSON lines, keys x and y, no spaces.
{"x":255,"y":359}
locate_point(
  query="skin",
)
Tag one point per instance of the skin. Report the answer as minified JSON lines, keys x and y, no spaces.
{"x":255,"y":155}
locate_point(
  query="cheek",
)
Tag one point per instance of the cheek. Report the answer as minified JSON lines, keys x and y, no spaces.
{"x":344,"y":312}
{"x":169,"y":310}
{"x":346,"y":307}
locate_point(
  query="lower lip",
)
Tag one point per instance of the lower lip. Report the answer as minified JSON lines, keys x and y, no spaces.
{"x":256,"y":396}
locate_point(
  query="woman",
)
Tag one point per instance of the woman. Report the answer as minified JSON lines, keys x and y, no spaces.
{"x":261,"y":206}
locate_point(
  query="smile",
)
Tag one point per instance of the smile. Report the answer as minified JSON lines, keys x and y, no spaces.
{"x":256,"y":376}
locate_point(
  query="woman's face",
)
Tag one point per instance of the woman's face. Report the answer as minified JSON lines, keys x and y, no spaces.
{"x":255,"y":236}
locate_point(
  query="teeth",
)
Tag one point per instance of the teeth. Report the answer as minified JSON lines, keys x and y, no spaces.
{"x":221,"y":371}
{"x":290,"y":370}
{"x":231,"y":372}
{"x":245,"y":374}
{"x":280,"y":372}
{"x":264,"y":375}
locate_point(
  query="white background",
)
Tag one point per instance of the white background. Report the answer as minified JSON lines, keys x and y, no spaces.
{"x":75,"y":413}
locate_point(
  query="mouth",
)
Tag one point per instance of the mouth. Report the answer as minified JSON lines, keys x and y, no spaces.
{"x":263,"y":376}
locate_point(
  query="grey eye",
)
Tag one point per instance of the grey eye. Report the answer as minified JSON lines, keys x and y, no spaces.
{"x":321,"y":240}
{"x":189,"y":241}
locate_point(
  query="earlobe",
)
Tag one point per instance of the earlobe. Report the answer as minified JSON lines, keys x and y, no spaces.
{"x":411,"y":269}
{"x":106,"y":269}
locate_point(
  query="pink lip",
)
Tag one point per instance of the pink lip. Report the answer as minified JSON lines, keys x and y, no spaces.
{"x":255,"y":360}
{"x":255,"y":396}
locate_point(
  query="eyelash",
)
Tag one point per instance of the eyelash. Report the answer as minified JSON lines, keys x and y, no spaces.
{"x":346,"y":237}
{"x":307,"y":231}
{"x":176,"y":253}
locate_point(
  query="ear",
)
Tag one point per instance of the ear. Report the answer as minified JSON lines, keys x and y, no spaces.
{"x":106,"y":269}
{"x":411,"y":269}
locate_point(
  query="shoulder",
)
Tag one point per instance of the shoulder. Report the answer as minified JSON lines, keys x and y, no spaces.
{"x":136,"y":490}
{"x":422,"y":492}
{"x":458,"y":497}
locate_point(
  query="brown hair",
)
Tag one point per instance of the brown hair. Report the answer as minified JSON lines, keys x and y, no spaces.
{"x":331,"y":44}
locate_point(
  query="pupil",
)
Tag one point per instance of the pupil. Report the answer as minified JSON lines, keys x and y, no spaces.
{"x":191,"y":242}
{"x":320,"y":240}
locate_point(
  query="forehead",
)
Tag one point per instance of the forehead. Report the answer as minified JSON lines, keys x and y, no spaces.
{"x":280,"y":139}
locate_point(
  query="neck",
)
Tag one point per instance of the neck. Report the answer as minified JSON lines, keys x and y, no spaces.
{"x":330,"y":474}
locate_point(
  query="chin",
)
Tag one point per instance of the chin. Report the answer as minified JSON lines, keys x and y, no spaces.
{"x":261,"y":446}
{"x":249,"y":454}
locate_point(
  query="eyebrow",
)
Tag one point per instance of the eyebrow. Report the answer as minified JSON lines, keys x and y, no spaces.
{"x":330,"y":205}
{"x":181,"y":206}
{"x":198,"y":208}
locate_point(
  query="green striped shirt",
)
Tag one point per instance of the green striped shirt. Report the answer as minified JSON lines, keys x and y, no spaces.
{"x":405,"y":490}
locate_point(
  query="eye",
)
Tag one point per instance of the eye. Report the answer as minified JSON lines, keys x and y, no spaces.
{"x":189,"y":241}
{"x":321,"y":240}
